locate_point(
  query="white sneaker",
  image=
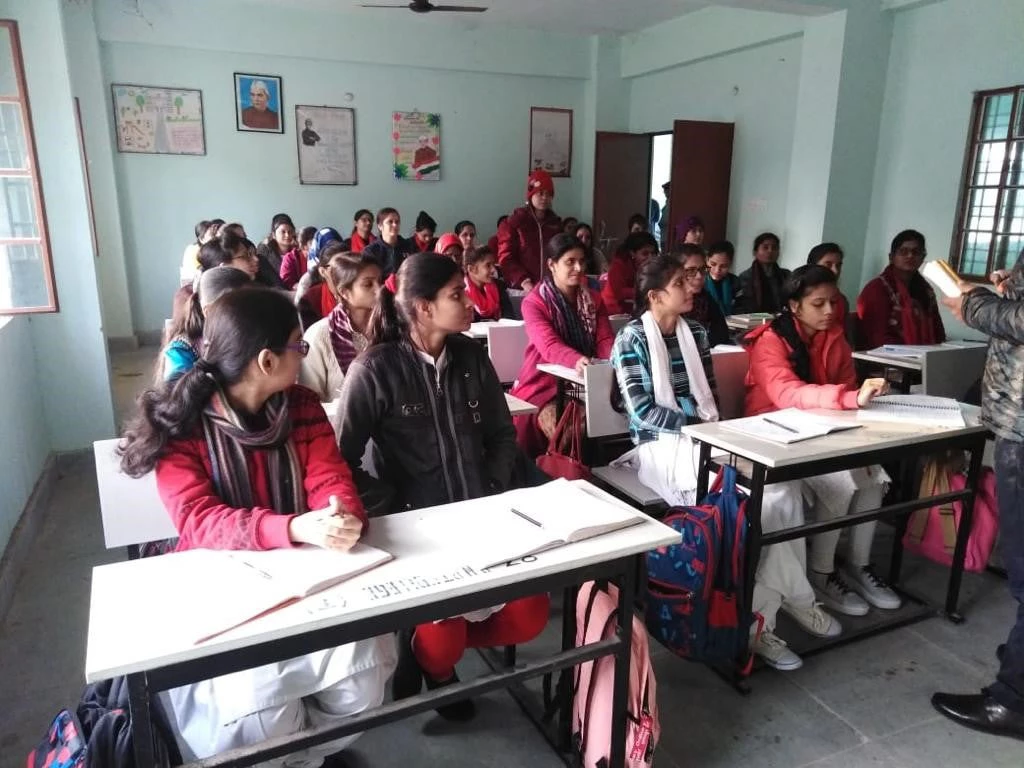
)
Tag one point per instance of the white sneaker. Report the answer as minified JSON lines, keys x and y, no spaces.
{"x":775,"y":652}
{"x":814,"y":620}
{"x":872,"y":587}
{"x":836,"y":593}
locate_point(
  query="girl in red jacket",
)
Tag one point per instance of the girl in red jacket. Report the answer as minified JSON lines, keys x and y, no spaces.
{"x":802,"y":360}
{"x":245,"y":459}
{"x":619,"y":291}
{"x":523,"y":235}
{"x":566,"y":324}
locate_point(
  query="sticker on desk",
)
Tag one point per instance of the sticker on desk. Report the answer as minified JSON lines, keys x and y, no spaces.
{"x":400,"y":587}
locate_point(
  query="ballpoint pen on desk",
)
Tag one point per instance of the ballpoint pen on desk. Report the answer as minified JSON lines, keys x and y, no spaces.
{"x":525,"y":517}
{"x":780,"y":425}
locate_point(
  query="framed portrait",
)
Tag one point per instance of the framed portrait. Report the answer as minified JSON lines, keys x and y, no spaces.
{"x":258,"y":103}
{"x":326,"y":142}
{"x":551,"y":140}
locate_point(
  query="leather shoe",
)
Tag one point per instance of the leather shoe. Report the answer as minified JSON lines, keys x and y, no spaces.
{"x":408,"y":678}
{"x":980,"y":712}
{"x":457,"y":711}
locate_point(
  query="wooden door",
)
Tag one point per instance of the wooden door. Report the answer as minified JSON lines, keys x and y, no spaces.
{"x":701,"y":168}
{"x":622,"y":173}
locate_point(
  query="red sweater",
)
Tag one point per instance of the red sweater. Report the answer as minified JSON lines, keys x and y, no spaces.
{"x":883,"y":321}
{"x":184,"y":480}
{"x":522,"y":238}
{"x":619,"y":291}
{"x":772,"y":384}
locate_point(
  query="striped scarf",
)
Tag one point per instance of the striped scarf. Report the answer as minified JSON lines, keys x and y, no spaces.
{"x":576,"y":325}
{"x":342,"y":337}
{"x":229,"y":440}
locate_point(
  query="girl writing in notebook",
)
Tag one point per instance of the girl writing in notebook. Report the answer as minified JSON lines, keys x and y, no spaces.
{"x":245,"y":459}
{"x":429,"y":399}
{"x":566,"y":323}
{"x":335,"y":340}
{"x":802,"y":360}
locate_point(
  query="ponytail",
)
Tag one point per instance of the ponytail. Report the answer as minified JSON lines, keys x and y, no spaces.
{"x":421,"y":277}
{"x":386,"y":323}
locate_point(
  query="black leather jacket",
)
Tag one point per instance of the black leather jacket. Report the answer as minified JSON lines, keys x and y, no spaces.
{"x":436,"y":439}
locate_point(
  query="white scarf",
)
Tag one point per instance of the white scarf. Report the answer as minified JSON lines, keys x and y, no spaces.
{"x":661,"y":373}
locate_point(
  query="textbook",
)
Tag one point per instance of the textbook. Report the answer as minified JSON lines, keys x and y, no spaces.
{"x":534,"y":520}
{"x":790,"y":425}
{"x":245,"y":585}
{"x":943,"y":277}
{"x":922,"y":410}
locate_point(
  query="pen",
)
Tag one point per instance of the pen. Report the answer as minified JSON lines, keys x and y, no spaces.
{"x":527,"y":518}
{"x":780,"y":425}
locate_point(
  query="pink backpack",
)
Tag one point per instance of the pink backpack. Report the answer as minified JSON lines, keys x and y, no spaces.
{"x":596,"y":619}
{"x":932,"y":532}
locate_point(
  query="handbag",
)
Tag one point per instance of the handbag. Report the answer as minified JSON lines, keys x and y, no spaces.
{"x":564,"y":457}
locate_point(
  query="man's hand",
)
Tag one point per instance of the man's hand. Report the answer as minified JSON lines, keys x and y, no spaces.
{"x":955,"y":304}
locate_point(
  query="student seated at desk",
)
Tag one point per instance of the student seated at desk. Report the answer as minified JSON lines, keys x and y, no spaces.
{"x":898,"y":306}
{"x":429,"y":399}
{"x":245,"y":459}
{"x":721,"y":285}
{"x":830,"y":256}
{"x":665,"y":379}
{"x":335,"y":340}
{"x":487,"y":292}
{"x":186,"y":334}
{"x":567,"y":324}
{"x":703,"y":309}
{"x":761,"y":285}
{"x":802,"y":360}
{"x":315,"y":297}
{"x":619,"y":290}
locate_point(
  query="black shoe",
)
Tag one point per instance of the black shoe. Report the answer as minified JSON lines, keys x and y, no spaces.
{"x":408,"y":678}
{"x":980,"y":712}
{"x":459,"y":711}
{"x":1000,"y":651}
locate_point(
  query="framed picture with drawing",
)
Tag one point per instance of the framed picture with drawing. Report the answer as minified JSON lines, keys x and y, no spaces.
{"x":258,"y":103}
{"x":551,"y":140}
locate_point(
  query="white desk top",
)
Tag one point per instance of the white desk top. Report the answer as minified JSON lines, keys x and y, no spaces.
{"x":131,"y":509}
{"x":907,"y":363}
{"x":748,"y":322}
{"x":561,"y":372}
{"x":519,"y":407}
{"x":479,"y":330}
{"x":871,"y":436}
{"x":429,"y":566}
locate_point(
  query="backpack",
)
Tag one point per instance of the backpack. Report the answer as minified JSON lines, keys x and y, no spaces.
{"x":695,"y":601}
{"x":931,"y":532}
{"x":62,"y":747}
{"x":594,"y":682}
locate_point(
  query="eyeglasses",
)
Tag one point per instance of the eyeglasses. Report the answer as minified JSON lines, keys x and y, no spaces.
{"x":911,"y":250}
{"x":302,"y":347}
{"x":693,"y":272}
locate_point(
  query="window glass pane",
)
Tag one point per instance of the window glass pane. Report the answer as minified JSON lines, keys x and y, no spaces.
{"x":981,"y":210}
{"x":1008,"y":248}
{"x":1018,"y":124}
{"x":13,"y":151}
{"x":974,"y":259}
{"x":8,"y":74}
{"x":1011,"y":212}
{"x":996,"y":121}
{"x":17,"y":208}
{"x":1015,"y":166}
{"x":22,"y":277}
{"x":988,"y":164}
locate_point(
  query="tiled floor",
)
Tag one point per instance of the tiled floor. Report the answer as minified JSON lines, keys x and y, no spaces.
{"x":864,"y":704}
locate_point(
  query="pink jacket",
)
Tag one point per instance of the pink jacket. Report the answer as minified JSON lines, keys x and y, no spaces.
{"x":772,"y":384}
{"x":544,"y":345}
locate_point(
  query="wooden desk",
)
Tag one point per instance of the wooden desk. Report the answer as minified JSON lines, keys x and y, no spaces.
{"x":431,"y":577}
{"x":872,"y":443}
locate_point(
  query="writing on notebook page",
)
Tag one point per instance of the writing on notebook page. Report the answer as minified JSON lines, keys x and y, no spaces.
{"x":922,"y":410}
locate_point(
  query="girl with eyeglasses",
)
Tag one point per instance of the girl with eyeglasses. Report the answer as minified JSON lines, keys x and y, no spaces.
{"x":246,"y":460}
{"x":703,"y":309}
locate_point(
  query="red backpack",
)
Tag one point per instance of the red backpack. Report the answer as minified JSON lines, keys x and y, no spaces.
{"x":594,"y":682}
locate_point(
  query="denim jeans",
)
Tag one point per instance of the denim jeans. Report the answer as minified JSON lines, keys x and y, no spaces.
{"x":1008,"y":689}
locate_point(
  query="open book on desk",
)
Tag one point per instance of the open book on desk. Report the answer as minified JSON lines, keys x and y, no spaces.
{"x":790,"y":425}
{"x":533,"y":520}
{"x":245,"y":585}
{"x":923,"y":410}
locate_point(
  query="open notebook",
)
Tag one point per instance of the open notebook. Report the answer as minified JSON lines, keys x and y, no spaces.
{"x":923,"y":410}
{"x":788,"y":426}
{"x":534,"y":520}
{"x":244,"y":585}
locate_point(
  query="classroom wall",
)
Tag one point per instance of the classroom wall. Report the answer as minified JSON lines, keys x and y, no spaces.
{"x":483,"y":82}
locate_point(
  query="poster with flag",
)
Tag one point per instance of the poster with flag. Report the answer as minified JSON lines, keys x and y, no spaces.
{"x":416,"y":146}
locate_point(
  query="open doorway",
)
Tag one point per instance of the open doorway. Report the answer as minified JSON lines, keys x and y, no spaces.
{"x":661,"y":173}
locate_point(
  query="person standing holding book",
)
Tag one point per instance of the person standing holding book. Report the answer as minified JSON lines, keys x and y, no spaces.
{"x":429,"y":399}
{"x":802,"y":360}
{"x":999,"y":708}
{"x":245,"y":459}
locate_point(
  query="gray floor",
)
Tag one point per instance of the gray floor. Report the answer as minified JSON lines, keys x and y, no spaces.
{"x":865,"y":704}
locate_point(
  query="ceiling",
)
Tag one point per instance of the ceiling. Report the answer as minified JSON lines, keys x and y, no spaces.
{"x":565,"y":16}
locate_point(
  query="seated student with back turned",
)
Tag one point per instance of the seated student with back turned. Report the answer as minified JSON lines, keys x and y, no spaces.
{"x":665,"y":379}
{"x":721,"y":285}
{"x":488,"y":293}
{"x":619,"y":290}
{"x":802,"y":360}
{"x":245,"y":459}
{"x":898,"y":306}
{"x":335,"y":340}
{"x":703,"y":309}
{"x":566,"y":324}
{"x":761,"y":285}
{"x":429,"y":399}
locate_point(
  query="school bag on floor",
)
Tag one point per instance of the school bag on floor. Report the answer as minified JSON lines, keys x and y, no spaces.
{"x":597,"y":616}
{"x":695,"y":601}
{"x":931,"y":532}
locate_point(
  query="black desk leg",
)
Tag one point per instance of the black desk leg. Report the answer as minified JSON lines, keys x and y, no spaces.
{"x":560,"y":399}
{"x":564,"y":689}
{"x":963,"y":532}
{"x":751,"y":559}
{"x":622,"y":660}
{"x":142,"y":724}
{"x":909,"y":481}
{"x":703,"y":468}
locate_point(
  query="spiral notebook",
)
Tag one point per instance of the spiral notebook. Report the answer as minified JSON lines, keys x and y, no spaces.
{"x":923,"y":410}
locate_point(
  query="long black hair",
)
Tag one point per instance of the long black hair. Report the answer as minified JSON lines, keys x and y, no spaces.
{"x":799,"y":283}
{"x":420,"y":277}
{"x":561,"y":244}
{"x":821,"y":250}
{"x":757,"y":268}
{"x":238,"y":327}
{"x":213,"y":284}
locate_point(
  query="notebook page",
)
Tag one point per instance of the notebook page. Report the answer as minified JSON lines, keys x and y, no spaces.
{"x":923,"y":410}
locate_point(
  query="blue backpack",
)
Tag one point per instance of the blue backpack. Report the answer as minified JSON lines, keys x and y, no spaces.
{"x":695,"y":588}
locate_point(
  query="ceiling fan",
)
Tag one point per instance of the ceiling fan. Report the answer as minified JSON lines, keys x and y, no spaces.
{"x":425,"y":6}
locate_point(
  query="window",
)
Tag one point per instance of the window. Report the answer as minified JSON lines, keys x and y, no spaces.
{"x":26,"y":272}
{"x":989,"y":232}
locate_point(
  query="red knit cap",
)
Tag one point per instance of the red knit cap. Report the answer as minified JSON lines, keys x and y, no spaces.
{"x":446,"y":241}
{"x":539,"y":181}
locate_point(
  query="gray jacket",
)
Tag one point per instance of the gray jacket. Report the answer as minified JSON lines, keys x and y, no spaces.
{"x":1002,"y":318}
